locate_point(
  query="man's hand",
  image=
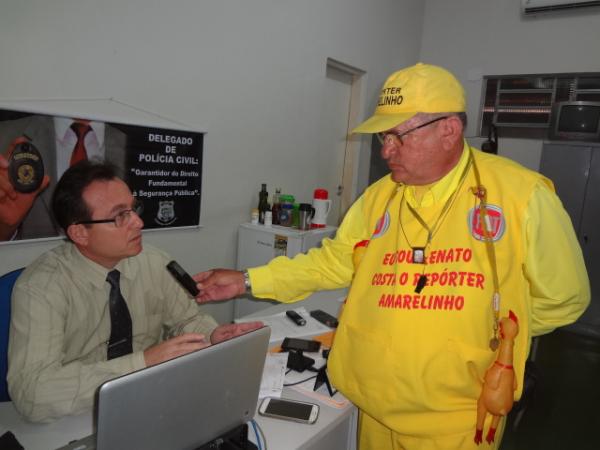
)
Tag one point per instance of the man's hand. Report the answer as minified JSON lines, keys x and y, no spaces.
{"x":174,"y":347}
{"x":219,"y":284}
{"x":224,"y":332}
{"x":14,"y":205}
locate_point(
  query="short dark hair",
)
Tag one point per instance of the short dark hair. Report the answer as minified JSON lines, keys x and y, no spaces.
{"x":68,"y":205}
{"x":463,"y":118}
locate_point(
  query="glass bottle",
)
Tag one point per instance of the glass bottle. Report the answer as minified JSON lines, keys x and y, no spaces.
{"x":263,"y":203}
{"x":276,"y":206}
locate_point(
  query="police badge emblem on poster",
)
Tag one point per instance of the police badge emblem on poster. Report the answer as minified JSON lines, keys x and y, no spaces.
{"x":166,"y":213}
{"x":25,"y":166}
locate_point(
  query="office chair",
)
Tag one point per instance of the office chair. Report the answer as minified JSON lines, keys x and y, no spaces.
{"x":7,"y":282}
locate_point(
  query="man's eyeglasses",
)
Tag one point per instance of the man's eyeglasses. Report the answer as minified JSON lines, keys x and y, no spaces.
{"x":122,"y":218}
{"x":389,"y":137}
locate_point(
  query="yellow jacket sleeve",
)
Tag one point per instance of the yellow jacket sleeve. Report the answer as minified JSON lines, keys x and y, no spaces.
{"x":554,"y":265}
{"x":327,"y":267}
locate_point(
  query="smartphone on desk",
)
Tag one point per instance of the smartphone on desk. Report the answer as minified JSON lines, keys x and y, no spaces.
{"x":303,"y":345}
{"x":286,"y":409}
{"x":324,"y":318}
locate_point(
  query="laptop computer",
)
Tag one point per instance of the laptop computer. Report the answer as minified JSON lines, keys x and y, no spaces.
{"x":183,"y":403}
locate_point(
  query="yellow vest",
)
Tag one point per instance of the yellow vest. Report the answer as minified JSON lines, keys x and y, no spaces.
{"x":415,"y":360}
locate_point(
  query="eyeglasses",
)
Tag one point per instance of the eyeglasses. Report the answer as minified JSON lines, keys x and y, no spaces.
{"x":389,"y":137}
{"x":122,"y":219}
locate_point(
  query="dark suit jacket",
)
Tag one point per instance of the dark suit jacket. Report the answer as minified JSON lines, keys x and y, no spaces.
{"x":40,"y":223}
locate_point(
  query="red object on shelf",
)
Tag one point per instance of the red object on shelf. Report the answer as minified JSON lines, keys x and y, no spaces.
{"x":321,"y":194}
{"x":321,"y":205}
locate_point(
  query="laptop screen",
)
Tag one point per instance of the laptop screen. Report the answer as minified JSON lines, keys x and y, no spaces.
{"x":185,"y":402}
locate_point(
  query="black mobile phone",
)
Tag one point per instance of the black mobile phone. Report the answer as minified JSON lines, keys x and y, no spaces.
{"x":295,"y":410}
{"x":303,"y":345}
{"x":324,"y":318}
{"x":295,"y":317}
{"x":184,"y":278}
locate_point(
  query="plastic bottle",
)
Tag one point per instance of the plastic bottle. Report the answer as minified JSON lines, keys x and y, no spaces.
{"x":276,"y":206}
{"x":295,"y":215}
{"x":268,"y":217}
{"x":286,"y":211}
{"x":263,"y":203}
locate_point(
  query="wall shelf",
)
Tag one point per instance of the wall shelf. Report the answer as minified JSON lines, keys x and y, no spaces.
{"x":522,"y":104}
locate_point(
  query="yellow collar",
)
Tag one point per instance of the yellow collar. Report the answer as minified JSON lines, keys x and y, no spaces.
{"x":428,"y":195}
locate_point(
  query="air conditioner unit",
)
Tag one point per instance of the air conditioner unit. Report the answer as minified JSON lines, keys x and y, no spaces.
{"x":540,"y":6}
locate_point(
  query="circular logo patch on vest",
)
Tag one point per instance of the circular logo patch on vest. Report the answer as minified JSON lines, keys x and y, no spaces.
{"x":496,"y":222}
{"x":382,"y":225}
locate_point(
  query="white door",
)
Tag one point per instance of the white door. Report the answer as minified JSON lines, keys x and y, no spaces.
{"x":334,"y":120}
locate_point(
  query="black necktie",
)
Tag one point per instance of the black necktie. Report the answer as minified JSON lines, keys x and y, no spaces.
{"x":120,"y":319}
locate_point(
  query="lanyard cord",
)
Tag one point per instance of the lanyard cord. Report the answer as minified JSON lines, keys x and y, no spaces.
{"x":418,"y":253}
{"x":481,"y":193}
{"x":431,"y":231}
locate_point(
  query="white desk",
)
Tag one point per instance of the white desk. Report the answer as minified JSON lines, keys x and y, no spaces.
{"x":335,"y":429}
{"x":325,"y":300}
{"x":44,"y":436}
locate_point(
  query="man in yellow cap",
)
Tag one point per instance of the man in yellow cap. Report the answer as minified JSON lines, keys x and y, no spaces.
{"x":456,"y":238}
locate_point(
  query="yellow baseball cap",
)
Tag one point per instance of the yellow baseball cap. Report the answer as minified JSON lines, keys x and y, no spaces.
{"x":422,"y":88}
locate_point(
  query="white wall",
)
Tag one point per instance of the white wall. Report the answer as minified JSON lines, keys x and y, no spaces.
{"x":491,"y":37}
{"x":247,"y":72}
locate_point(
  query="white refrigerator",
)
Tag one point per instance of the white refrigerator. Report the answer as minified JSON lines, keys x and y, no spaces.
{"x":257,"y":245}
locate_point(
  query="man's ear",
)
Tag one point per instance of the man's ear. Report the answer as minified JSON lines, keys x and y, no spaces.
{"x":452,"y":132}
{"x":78,"y":233}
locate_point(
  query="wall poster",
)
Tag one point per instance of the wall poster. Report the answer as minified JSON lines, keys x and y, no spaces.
{"x":163,"y":168}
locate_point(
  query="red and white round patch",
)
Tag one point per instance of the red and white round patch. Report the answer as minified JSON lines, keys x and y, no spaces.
{"x":495,"y":220}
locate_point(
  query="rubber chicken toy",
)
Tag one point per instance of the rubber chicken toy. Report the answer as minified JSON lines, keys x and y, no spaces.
{"x":499,"y":383}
